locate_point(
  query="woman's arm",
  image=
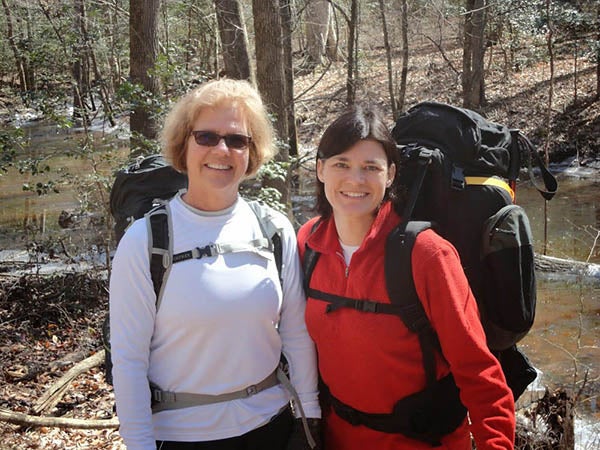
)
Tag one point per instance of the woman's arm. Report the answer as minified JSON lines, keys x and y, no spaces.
{"x":447,"y":297}
{"x":298,"y":348}
{"x":132,"y":313}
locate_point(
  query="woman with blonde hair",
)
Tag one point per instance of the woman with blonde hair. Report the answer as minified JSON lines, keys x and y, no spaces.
{"x":224,"y":319}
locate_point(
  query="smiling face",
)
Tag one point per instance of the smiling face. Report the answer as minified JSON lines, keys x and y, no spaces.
{"x":355,"y":180}
{"x":215,"y":172}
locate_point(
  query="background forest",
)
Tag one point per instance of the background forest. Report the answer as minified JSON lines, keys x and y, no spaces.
{"x":100,"y":75}
{"x":527,"y":63}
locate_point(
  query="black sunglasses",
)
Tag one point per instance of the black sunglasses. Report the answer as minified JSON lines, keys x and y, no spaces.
{"x":211,"y":139}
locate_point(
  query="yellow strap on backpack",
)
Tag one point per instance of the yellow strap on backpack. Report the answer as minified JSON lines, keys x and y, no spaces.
{"x":492,"y":181}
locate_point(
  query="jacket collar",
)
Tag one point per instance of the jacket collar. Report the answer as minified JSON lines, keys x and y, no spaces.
{"x":325,"y":238}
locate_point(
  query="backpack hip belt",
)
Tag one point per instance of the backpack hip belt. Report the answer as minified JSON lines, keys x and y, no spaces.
{"x":416,"y":416}
{"x":162,"y":400}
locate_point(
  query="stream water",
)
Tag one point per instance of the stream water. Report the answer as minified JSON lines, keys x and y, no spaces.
{"x":564,"y":343}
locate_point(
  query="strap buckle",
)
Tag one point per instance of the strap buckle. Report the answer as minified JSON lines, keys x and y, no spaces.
{"x":207,"y":250}
{"x":458,"y":178}
{"x":251,"y":390}
{"x":366,"y":306}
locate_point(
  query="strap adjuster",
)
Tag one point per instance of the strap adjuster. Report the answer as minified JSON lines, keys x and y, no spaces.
{"x":366,"y":306}
{"x":251,"y":390}
{"x":207,"y":250}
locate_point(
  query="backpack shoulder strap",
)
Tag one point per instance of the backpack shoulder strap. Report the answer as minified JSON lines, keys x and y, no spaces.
{"x":270,"y":231}
{"x":160,"y":246}
{"x":310,"y":259}
{"x":401,"y":289}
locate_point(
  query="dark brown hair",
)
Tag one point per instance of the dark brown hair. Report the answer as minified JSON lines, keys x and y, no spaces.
{"x":358,"y":123}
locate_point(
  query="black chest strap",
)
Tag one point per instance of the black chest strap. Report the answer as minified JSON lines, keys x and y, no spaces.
{"x":336,"y":302}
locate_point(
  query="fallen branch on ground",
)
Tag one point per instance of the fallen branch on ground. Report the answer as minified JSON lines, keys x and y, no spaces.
{"x":53,"y":395}
{"x":61,"y":422}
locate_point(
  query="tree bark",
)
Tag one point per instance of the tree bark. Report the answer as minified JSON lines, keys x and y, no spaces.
{"x":388,"y":56}
{"x":474,"y":53}
{"x":317,"y":17}
{"x":288,"y":72}
{"x":143,"y":52}
{"x":53,"y":394}
{"x":404,"y":72}
{"x":598,"y":51}
{"x":270,"y":77}
{"x":20,"y":61}
{"x":60,"y":422}
{"x":234,"y":39}
{"x":80,"y":65}
{"x":352,"y":46}
{"x":467,"y":50}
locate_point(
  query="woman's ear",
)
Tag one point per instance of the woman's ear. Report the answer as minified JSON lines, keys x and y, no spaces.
{"x":320,"y":170}
{"x":391,"y":175}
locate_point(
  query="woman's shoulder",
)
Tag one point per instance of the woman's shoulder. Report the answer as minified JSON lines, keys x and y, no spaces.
{"x":134,"y":242}
{"x":307,"y":228}
{"x":430,"y":244}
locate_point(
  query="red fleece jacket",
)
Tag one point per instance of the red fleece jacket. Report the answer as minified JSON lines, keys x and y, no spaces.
{"x":370,"y":361}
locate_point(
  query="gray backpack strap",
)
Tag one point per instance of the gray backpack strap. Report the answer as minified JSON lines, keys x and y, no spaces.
{"x":264,"y":215}
{"x":163,"y":400}
{"x":160,"y":246}
{"x":256,"y":246}
{"x":286,"y":383}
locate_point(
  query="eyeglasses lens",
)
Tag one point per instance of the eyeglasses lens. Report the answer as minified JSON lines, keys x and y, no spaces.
{"x":211,"y":139}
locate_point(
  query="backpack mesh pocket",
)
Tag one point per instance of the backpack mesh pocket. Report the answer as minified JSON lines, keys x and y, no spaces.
{"x":509,"y":293}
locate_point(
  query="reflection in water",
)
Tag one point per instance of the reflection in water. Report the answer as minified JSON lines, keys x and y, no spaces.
{"x":564,"y":342}
{"x":573,"y":218}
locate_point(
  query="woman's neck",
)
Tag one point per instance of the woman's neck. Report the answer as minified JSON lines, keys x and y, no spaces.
{"x":352,"y":230}
{"x":209,"y":202}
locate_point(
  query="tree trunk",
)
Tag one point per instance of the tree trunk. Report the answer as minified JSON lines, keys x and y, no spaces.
{"x":20,"y":61}
{"x":143,"y":52}
{"x":473,"y":61}
{"x":288,"y":72}
{"x":352,"y":46}
{"x":404,"y":72}
{"x":332,"y":47}
{"x":234,"y":39}
{"x":467,"y":50}
{"x":80,"y":65}
{"x":550,"y":44}
{"x":388,"y":55}
{"x":598,"y":51}
{"x":317,"y":15}
{"x":270,"y":77}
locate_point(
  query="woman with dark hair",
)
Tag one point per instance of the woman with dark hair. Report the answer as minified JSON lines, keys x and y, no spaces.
{"x":370,"y":364}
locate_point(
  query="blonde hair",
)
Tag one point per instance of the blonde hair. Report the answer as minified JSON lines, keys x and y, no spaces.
{"x":178,"y":123}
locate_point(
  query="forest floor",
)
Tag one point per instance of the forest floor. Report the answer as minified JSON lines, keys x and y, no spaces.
{"x":49,"y":323}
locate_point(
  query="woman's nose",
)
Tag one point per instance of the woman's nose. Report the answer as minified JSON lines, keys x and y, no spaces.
{"x":357,"y":175}
{"x":221,"y":145}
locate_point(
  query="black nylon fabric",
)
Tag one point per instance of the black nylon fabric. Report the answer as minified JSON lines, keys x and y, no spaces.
{"x":481,"y":147}
{"x":460,"y":143}
{"x":138,"y":185}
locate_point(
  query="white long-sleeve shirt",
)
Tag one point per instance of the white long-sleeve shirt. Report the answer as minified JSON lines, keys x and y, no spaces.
{"x":221,"y":326}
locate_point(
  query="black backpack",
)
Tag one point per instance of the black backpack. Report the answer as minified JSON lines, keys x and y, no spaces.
{"x":137,"y":187}
{"x":143,"y":189}
{"x":459,"y":171}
